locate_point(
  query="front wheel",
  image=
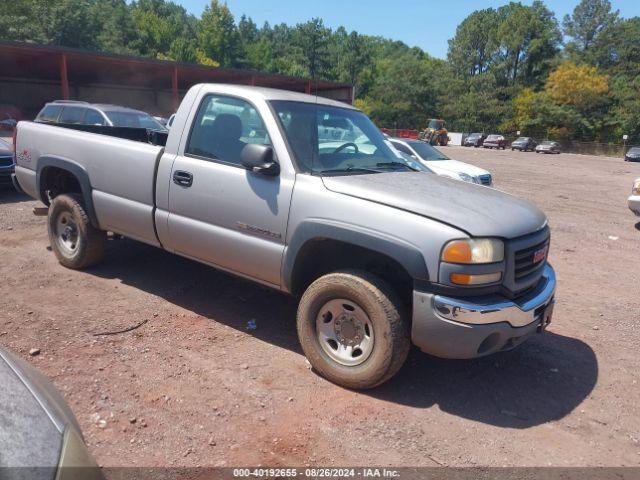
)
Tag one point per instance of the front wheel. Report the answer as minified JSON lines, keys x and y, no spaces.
{"x":76,"y":243}
{"x":351,"y":329}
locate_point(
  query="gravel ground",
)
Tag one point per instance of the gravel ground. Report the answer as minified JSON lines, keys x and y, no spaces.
{"x":194,"y":386}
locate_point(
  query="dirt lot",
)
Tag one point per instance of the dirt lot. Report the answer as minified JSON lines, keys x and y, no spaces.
{"x":205,"y":390}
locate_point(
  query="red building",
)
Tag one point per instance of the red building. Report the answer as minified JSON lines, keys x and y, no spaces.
{"x":35,"y":74}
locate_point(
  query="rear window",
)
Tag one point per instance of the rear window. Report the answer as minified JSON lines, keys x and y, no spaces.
{"x":72,"y":115}
{"x":49,"y":113}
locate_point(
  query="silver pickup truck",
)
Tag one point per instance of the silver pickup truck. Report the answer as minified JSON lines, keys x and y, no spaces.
{"x":306,"y":196}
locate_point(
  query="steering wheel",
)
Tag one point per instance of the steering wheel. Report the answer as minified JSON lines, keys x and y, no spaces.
{"x":345,"y":145}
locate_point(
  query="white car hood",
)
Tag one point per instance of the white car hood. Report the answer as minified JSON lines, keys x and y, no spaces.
{"x":442,"y":167}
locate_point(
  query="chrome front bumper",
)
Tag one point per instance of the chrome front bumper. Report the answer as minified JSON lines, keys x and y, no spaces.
{"x":475,"y":326}
{"x":634,"y":204}
{"x":494,"y":308}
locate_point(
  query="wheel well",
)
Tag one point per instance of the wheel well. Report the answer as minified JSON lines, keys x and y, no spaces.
{"x":321,"y":256}
{"x":54,"y":181}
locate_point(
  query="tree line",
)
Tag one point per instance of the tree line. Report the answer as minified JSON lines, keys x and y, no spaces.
{"x":510,"y":68}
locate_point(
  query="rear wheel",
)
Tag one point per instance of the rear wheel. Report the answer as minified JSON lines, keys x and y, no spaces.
{"x":76,"y":243}
{"x":351,"y":329}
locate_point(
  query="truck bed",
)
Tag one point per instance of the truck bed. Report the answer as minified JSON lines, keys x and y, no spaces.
{"x":153,"y":137}
{"x":122,"y":172}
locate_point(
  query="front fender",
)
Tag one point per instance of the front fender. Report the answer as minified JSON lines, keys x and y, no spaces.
{"x":406,"y":254}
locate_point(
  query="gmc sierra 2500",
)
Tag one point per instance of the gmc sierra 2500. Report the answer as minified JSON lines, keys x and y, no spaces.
{"x":305,"y":195}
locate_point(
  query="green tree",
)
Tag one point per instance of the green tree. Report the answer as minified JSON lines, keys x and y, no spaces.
{"x":589,"y":20}
{"x":61,"y":22}
{"x":472,"y":49}
{"x":528,"y":38}
{"x":217,"y":35}
{"x":402,"y":94}
{"x":312,"y":39}
{"x":117,"y":32}
{"x":159,"y":24}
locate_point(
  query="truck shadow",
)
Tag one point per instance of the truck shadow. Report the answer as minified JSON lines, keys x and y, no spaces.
{"x":8,"y":194}
{"x":541,"y":381}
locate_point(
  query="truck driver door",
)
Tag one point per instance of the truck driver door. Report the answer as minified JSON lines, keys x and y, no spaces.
{"x":220,"y":212}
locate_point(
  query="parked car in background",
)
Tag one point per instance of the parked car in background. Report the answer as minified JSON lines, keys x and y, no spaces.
{"x":439,"y":163}
{"x":7,"y":165}
{"x":84,"y":113}
{"x":161,"y":120}
{"x":495,"y":141}
{"x":8,"y":124}
{"x":548,"y":146}
{"x":632,"y":155}
{"x":634,"y":199}
{"x":524,"y":144}
{"x":474,"y":140}
{"x":39,"y":438}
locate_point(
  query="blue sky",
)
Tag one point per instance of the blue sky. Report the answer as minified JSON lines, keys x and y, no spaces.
{"x":427,"y":24}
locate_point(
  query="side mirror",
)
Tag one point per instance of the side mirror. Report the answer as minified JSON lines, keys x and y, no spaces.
{"x":260,"y":159}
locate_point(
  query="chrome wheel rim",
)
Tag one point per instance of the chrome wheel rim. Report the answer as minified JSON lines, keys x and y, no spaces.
{"x":345,"y":332}
{"x":66,"y":231}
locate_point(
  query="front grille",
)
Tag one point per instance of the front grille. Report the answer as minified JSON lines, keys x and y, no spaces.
{"x":485,"y":179}
{"x":524,"y":260}
{"x":6,"y":161}
{"x":521,"y":272}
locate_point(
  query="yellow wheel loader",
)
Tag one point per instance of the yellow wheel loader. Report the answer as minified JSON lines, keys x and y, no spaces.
{"x":435,"y":133}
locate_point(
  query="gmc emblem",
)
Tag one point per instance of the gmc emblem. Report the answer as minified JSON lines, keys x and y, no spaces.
{"x":541,"y":254}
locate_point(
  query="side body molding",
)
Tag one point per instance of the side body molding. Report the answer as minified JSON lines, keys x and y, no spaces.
{"x":78,"y":171}
{"x":402,"y":252}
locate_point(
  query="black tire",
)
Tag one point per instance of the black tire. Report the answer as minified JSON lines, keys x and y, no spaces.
{"x":385,"y":311}
{"x":90,"y":242}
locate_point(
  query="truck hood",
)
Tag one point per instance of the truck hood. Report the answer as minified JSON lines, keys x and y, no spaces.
{"x":454,"y":166}
{"x":477,"y":210}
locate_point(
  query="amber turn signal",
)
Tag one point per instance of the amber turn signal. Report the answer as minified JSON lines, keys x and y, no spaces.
{"x":458,"y":251}
{"x":473,"y":250}
{"x":466,"y":279}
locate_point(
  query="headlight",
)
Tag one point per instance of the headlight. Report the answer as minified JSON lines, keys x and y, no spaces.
{"x":468,"y":178}
{"x":473,"y":251}
{"x":636,"y":187}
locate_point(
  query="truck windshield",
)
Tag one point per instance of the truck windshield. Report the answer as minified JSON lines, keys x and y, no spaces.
{"x":334,"y":140}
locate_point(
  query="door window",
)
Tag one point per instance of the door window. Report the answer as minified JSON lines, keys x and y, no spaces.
{"x":93,"y":117}
{"x":71,"y":115}
{"x":223,"y":127}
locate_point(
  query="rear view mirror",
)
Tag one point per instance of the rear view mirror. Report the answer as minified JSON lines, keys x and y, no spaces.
{"x":259,"y":159}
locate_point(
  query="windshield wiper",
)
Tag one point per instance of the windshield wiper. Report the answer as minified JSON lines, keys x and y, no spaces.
{"x":350,"y":169}
{"x":396,"y":164}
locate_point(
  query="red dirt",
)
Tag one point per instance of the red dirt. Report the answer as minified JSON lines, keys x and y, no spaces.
{"x":204,"y":390}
